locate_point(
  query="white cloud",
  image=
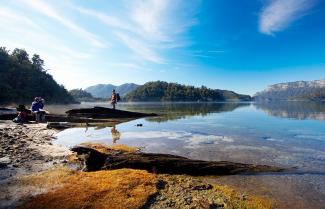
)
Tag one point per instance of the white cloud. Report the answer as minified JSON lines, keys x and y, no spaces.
{"x":148,"y":15}
{"x":279,"y":14}
{"x":16,"y":23}
{"x":49,"y":11}
{"x":161,"y":20}
{"x":148,"y":27}
{"x":140,"y":48}
{"x":110,"y":21}
{"x":8,"y":16}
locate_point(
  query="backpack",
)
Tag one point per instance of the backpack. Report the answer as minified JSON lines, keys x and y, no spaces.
{"x":118,"y":98}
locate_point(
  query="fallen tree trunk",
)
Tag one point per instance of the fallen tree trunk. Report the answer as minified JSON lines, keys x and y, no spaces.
{"x":64,"y":118}
{"x":164,"y":163}
{"x":85,"y":115}
{"x":102,"y":112}
{"x":11,"y":116}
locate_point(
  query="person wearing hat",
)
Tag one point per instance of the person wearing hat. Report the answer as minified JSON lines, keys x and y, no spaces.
{"x":37,"y":109}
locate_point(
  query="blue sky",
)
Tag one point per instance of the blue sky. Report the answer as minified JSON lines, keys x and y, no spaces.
{"x":228,"y":44}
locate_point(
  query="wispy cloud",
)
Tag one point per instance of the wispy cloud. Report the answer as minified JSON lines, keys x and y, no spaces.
{"x":148,"y":16}
{"x":161,"y":19}
{"x":17,"y":23}
{"x":49,"y":11}
{"x":279,"y":14}
{"x":150,"y":26}
{"x":9,"y":16}
{"x":108,"y":20}
{"x":140,"y":48}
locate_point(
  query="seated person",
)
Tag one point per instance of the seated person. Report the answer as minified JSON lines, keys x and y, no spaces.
{"x":37,"y":109}
{"x":22,"y":114}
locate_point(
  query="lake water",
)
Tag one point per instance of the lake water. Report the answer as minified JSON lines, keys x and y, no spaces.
{"x":287,"y":134}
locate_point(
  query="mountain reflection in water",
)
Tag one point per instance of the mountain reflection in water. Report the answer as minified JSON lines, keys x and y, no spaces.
{"x":294,"y":110}
{"x":175,"y":111}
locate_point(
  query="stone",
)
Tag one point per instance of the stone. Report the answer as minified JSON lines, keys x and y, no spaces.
{"x":203,"y":187}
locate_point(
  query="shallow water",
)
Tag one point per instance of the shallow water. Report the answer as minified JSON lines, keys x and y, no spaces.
{"x":288,"y":134}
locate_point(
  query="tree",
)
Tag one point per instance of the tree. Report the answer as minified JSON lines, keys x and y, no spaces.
{"x":23,"y":79}
{"x":20,"y":55}
{"x":163,"y":91}
{"x":38,"y":63}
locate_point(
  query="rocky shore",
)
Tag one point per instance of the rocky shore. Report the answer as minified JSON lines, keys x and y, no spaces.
{"x":31,"y":174}
{"x":25,"y":149}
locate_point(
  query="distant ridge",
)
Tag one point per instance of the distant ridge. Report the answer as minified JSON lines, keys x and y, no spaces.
{"x":105,"y":90}
{"x":298,"y":90}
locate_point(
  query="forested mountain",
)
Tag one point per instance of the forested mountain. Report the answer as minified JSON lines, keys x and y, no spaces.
{"x":163,"y":91}
{"x":23,"y":78}
{"x":299,"y":90}
{"x":105,"y":90}
{"x":81,"y":95}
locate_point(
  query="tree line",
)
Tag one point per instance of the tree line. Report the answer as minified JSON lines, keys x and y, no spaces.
{"x":163,"y":91}
{"x":22,"y":78}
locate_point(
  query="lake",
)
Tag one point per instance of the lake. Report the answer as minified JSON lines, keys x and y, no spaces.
{"x":287,"y":134}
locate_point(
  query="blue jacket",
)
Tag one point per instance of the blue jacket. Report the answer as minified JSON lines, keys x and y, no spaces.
{"x":36,"y":106}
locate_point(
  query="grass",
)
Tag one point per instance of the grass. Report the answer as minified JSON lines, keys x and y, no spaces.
{"x":124,"y":188}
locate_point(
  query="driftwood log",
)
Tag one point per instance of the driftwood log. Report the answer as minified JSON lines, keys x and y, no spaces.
{"x":88,"y":116}
{"x":164,"y":163}
{"x":102,"y":112}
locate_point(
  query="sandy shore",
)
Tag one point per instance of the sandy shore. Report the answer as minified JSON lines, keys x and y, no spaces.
{"x":25,"y":149}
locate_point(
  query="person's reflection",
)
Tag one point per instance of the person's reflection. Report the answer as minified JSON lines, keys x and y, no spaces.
{"x":116,"y":135}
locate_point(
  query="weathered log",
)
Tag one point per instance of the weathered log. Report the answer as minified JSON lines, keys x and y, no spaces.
{"x":102,"y":112}
{"x":7,"y":109}
{"x":11,"y":116}
{"x":164,"y":163}
{"x":86,"y":115}
{"x":53,"y":118}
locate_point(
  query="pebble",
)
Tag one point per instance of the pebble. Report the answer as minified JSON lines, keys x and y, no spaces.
{"x":15,"y":144}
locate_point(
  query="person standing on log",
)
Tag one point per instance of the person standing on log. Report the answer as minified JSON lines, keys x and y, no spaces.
{"x":113,"y":98}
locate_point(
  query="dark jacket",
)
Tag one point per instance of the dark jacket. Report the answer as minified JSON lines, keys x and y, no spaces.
{"x":36,"y":106}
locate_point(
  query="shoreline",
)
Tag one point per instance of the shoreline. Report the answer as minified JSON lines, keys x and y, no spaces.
{"x":27,"y":146}
{"x":25,"y":149}
{"x":28,"y":152}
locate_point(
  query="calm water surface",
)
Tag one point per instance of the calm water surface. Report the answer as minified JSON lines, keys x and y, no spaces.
{"x":288,"y":134}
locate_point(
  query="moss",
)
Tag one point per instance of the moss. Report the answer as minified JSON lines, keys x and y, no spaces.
{"x":106,"y":148}
{"x":124,"y":188}
{"x":48,"y":179}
